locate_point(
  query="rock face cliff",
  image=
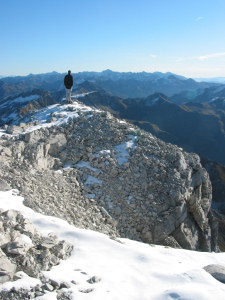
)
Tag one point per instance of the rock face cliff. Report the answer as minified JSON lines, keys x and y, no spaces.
{"x":101,"y":173}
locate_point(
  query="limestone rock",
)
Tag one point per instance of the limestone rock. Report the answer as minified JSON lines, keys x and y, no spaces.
{"x":14,"y":129}
{"x":94,"y":279}
{"x":217,"y":271}
{"x":24,"y":249}
{"x":17,"y":248}
{"x":7,"y":269}
{"x":4,"y":186}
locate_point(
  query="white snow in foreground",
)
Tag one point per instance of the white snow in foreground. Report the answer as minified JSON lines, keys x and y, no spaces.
{"x":128,"y":270}
{"x":121,"y":150}
{"x":26,"y":282}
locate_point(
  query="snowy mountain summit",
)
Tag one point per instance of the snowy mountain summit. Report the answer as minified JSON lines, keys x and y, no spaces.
{"x":100,"y":173}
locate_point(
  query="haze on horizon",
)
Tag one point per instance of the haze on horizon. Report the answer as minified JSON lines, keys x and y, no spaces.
{"x":182,"y":37}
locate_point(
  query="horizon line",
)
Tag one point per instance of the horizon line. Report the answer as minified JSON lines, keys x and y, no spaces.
{"x":113,"y":71}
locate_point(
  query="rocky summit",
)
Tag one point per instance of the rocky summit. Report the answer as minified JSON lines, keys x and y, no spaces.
{"x":104,"y":174}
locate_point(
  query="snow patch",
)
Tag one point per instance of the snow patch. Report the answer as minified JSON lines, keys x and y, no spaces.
{"x":103,"y":153}
{"x":152,"y":102}
{"x":91,"y":196}
{"x":43,"y":117}
{"x":121,"y":150}
{"x":109,"y":203}
{"x":59,"y":171}
{"x":183,"y":163}
{"x":2,"y":132}
{"x":129,"y":199}
{"x":68,"y":166}
{"x":63,"y":113}
{"x":81,"y":95}
{"x":213,"y":99}
{"x":91,"y":180}
{"x":86,"y":164}
{"x":27,"y":240}
{"x":26,"y":282}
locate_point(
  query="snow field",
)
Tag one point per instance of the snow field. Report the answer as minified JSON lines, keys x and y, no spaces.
{"x":128,"y":270}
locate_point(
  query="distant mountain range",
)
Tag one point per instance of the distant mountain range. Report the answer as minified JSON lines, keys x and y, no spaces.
{"x":125,"y":85}
{"x":200,"y":95}
{"x":213,"y":79}
{"x":10,"y":86}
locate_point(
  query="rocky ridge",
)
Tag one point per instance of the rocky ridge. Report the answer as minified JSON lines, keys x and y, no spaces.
{"x":101,"y":173}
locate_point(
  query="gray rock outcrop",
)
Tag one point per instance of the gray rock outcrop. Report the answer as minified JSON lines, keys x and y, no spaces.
{"x":101,"y":173}
{"x":22,"y":248}
{"x":217,"y":271}
{"x":7,"y":269}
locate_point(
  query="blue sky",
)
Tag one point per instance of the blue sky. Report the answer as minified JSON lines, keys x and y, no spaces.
{"x":181,"y":36}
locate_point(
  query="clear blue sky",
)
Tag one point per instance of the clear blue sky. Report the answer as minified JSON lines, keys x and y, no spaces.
{"x":186,"y":37}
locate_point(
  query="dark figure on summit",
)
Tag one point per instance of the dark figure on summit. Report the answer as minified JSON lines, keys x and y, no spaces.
{"x":68,"y":82}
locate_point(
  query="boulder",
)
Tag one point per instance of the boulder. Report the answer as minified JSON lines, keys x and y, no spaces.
{"x":217,"y":271}
{"x":24,"y":249}
{"x":7,"y":268}
{"x":4,"y":186}
{"x":17,"y":247}
{"x":14,"y":129}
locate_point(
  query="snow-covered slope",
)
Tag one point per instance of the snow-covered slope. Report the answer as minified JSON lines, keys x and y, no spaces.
{"x":101,"y":268}
{"x":13,"y":108}
{"x":43,"y":117}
